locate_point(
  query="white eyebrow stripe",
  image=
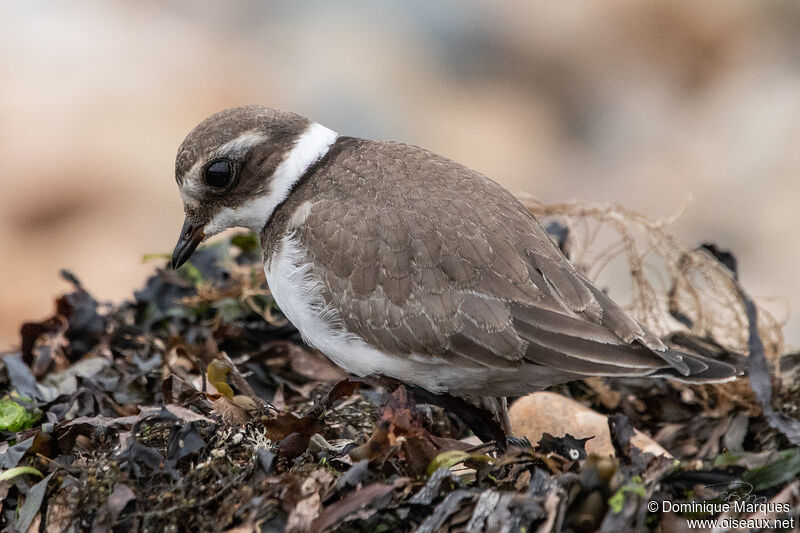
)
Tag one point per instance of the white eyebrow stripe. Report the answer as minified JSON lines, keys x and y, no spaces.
{"x":240,"y":144}
{"x":309,"y":148}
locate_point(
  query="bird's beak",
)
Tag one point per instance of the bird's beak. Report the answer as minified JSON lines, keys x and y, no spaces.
{"x":191,"y":236}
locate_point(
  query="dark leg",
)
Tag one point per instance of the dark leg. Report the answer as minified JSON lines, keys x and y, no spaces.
{"x":500,"y":408}
{"x":481,"y":421}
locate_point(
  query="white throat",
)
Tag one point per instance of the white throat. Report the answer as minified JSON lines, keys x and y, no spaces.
{"x":310,"y":147}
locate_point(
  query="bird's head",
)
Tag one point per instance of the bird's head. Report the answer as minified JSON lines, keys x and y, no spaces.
{"x":237,"y":166}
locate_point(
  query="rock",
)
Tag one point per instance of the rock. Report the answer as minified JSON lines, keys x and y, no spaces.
{"x":548,"y":412}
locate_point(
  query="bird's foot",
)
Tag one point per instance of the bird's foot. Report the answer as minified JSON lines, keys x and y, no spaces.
{"x":518,"y":442}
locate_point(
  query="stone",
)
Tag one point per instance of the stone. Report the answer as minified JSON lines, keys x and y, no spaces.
{"x":548,"y":412}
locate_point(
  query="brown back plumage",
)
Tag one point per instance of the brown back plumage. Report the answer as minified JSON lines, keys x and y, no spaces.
{"x":421,"y":255}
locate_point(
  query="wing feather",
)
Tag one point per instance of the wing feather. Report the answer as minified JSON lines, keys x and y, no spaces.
{"x":426,"y":258}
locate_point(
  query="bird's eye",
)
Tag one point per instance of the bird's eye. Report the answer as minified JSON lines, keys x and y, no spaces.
{"x":219,"y":174}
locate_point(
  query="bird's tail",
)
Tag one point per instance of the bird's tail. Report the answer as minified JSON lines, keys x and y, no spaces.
{"x":701,"y":370}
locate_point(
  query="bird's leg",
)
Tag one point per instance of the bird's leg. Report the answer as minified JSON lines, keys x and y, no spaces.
{"x":502,"y":415}
{"x":499,"y":406}
{"x":482,"y":419}
{"x":505,"y":421}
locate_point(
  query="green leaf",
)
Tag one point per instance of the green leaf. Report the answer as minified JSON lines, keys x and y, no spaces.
{"x":633,"y":486}
{"x":246,"y":242}
{"x":188,"y":271}
{"x":451,"y":458}
{"x":19,"y":471}
{"x":146,"y":258}
{"x":217,"y":370}
{"x":786,"y":468}
{"x":14,"y":417}
{"x":191,"y":273}
{"x":728,"y":459}
{"x":617,"y":501}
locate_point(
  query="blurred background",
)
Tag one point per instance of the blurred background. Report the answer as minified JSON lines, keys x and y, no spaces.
{"x":654,"y":105}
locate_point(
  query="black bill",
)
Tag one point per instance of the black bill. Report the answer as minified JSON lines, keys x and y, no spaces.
{"x":191,"y":236}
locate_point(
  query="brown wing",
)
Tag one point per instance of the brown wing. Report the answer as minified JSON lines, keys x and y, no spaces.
{"x":423,"y":256}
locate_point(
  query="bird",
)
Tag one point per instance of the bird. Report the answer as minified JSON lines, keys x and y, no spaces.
{"x":396,"y":262}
